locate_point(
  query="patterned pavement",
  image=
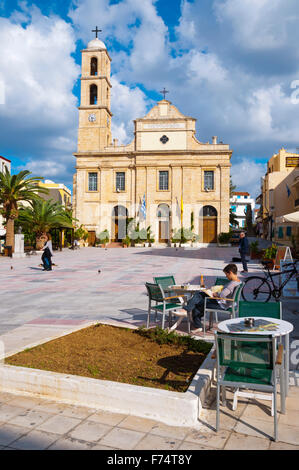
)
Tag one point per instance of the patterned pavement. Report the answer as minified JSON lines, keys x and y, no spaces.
{"x":75,"y":291}
{"x":46,"y":303}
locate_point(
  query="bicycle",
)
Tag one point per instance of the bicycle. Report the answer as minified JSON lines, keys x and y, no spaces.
{"x":262,"y":288}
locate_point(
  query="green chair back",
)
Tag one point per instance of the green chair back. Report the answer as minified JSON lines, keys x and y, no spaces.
{"x":154,"y":292}
{"x":260,"y":309}
{"x":221,"y":281}
{"x":245,"y":355}
{"x":165,"y":281}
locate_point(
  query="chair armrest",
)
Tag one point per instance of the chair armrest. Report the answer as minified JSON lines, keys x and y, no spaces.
{"x":172,"y":297}
{"x":222,"y":298}
{"x":279,"y":356}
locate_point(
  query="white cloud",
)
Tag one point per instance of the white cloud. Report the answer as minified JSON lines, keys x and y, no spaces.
{"x":127,"y":104}
{"x":39,"y":118}
{"x":45,"y":168}
{"x":259,"y":24}
{"x":246,"y":180}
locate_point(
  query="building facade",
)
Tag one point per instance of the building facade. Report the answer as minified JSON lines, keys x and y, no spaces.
{"x":238,"y":204}
{"x":279,"y":197}
{"x":165,"y":178}
{"x":58,"y":192}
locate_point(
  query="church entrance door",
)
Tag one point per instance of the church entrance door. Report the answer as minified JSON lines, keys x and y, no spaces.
{"x":91,"y":238}
{"x":163,"y":214}
{"x":163,"y":231}
{"x":119,"y":223}
{"x":209,"y":224}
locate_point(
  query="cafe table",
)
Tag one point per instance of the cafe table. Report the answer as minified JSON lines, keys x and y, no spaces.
{"x":262,"y":326}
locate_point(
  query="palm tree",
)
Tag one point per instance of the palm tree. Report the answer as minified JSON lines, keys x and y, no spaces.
{"x":41,"y":216}
{"x":13,"y":190}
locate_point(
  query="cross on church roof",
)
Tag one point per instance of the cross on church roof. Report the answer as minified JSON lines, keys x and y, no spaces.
{"x":96,"y":31}
{"x":164,"y":92}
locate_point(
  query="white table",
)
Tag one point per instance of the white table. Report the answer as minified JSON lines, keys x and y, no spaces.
{"x":284,"y":328}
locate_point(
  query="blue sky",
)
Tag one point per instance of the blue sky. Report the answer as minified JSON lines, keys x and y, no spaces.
{"x":228,"y":63}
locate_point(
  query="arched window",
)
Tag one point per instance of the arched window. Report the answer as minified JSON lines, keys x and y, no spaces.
{"x":163,"y":211}
{"x":94,"y":66}
{"x":209,"y":211}
{"x":93,"y":94}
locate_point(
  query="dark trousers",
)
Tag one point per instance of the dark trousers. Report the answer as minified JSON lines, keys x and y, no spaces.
{"x":46,"y":259}
{"x":196,"y":305}
{"x":243,"y":260}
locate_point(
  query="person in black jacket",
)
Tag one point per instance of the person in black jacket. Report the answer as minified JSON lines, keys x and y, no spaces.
{"x":244,"y":250}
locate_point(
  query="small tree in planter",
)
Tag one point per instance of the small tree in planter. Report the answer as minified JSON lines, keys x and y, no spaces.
{"x":182,"y":236}
{"x":126,"y":241}
{"x":149,"y":236}
{"x":224,"y":238}
{"x":81,"y":234}
{"x":270,"y":254}
{"x":255,"y":253}
{"x":104,"y":237}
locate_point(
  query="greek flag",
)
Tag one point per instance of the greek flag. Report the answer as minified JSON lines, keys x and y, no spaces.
{"x":143,"y":207}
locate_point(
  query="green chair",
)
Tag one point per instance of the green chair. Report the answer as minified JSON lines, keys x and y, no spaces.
{"x":163,"y":303}
{"x":221,"y":281}
{"x":260,"y":309}
{"x":165,"y":282}
{"x":249,"y":362}
{"x":231,"y":311}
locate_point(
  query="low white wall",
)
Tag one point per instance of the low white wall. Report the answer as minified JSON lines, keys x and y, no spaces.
{"x":172,"y":408}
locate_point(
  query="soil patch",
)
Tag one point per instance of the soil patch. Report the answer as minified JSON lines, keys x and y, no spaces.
{"x":150,"y":358}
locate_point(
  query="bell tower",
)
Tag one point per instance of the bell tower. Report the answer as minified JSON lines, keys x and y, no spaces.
{"x":94,"y":111}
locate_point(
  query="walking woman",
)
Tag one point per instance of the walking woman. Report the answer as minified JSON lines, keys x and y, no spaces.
{"x":47,"y":254}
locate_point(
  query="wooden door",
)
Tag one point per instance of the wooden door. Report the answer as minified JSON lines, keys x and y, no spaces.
{"x":210,"y":230}
{"x":91,"y":238}
{"x":163,"y":231}
{"x":115,"y":230}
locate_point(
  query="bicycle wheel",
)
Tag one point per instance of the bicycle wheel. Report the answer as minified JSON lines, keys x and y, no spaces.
{"x":256,"y":288}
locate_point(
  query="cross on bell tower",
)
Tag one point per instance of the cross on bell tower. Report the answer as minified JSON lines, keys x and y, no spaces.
{"x":96,"y":31}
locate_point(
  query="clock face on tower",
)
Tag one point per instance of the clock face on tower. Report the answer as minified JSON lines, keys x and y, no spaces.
{"x":92,"y":117}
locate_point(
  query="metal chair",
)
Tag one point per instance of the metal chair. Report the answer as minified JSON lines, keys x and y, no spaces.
{"x":231,"y":311}
{"x":249,"y":362}
{"x":162,"y":304}
{"x":260,"y":309}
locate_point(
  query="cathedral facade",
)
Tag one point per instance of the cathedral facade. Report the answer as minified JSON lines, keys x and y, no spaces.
{"x":165,"y":178}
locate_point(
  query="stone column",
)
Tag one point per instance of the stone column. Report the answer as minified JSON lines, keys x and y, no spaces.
{"x":19,"y":246}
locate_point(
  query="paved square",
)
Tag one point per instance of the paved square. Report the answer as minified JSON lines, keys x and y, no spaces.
{"x":44,"y":304}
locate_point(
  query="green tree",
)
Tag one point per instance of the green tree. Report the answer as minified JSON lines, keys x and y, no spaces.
{"x":13,"y":190}
{"x":41,"y":216}
{"x":232,"y":187}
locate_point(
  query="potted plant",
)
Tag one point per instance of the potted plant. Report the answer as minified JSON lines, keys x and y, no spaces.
{"x":149,"y":237}
{"x":255,"y":253}
{"x":269,"y":255}
{"x":82,"y":235}
{"x":126,"y":241}
{"x":224,"y":238}
{"x":104,"y":238}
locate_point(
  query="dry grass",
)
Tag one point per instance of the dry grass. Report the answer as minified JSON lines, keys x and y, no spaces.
{"x":121,"y":355}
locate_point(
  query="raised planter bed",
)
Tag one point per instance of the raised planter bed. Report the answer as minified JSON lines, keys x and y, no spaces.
{"x":171,"y":407}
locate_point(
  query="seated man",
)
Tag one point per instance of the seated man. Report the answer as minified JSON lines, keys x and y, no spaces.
{"x":197,"y":302}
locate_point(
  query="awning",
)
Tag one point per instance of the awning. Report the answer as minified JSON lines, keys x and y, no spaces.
{"x":292,"y":217}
